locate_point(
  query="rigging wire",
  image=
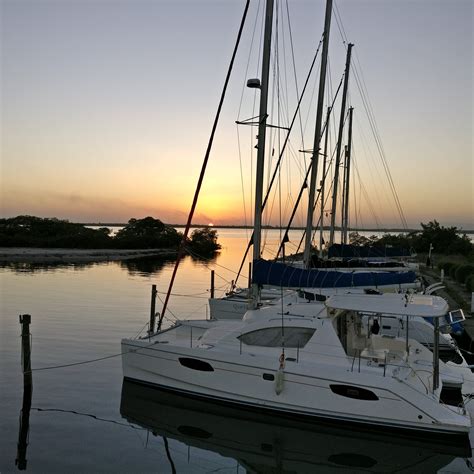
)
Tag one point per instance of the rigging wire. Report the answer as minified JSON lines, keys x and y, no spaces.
{"x":239,"y":118}
{"x":204,"y":165}
{"x":281,"y":155}
{"x":295,"y":78}
{"x":361,"y":85}
{"x":378,"y":142}
{"x":366,"y":195}
{"x":304,"y":185}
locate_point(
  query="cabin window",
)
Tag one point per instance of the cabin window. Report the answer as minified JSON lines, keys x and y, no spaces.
{"x":272,"y":337}
{"x":196,"y":364}
{"x":350,"y":391}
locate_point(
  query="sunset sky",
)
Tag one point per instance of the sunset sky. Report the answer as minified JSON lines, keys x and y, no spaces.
{"x":107,"y":106}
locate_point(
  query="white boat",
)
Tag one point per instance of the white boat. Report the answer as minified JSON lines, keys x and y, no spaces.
{"x":234,"y":304}
{"x":316,"y":361}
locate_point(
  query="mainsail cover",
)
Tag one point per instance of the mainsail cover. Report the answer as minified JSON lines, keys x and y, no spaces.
{"x":279,"y":274}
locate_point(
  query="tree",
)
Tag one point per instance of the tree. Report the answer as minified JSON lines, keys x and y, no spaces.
{"x":203,"y":242}
{"x":445,"y":240}
{"x":356,"y":239}
{"x":31,"y":231}
{"x":147,"y":233}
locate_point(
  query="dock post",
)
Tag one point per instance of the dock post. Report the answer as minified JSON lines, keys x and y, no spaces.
{"x":151,"y":329}
{"x":212,"y":283}
{"x":25,"y":320}
{"x":22,"y":445}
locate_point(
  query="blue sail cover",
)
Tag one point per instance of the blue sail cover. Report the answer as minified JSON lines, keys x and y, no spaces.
{"x":358,"y":251}
{"x":280,"y":274}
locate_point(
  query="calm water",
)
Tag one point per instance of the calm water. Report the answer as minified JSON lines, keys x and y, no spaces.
{"x":83,"y":420}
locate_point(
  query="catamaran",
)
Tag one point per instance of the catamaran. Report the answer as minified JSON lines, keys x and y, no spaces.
{"x":316,"y":361}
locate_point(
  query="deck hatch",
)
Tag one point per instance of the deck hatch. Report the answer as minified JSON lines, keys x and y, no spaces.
{"x":350,"y":391}
{"x":196,"y":364}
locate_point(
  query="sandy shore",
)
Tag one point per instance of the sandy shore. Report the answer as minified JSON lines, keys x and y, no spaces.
{"x":43,"y":255}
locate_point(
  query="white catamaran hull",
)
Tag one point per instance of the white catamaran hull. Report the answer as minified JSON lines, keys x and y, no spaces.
{"x":307,"y":390}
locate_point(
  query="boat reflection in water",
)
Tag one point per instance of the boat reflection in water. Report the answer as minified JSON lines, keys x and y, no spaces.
{"x":262,"y":443}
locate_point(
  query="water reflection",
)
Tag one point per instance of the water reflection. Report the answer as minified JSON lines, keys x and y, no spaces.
{"x":261,"y":443}
{"x":41,"y":267}
{"x":199,"y":259}
{"x":24,"y":427}
{"x":145,"y":266}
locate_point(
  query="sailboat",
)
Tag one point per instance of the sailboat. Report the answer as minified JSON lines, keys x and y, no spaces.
{"x":327,"y":277}
{"x":308,"y":361}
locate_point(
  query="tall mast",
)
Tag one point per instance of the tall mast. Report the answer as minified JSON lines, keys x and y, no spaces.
{"x":343,"y":193}
{"x":339,"y":143}
{"x":323,"y":182}
{"x":317,"y":136}
{"x":257,"y":233}
{"x":347,"y":177}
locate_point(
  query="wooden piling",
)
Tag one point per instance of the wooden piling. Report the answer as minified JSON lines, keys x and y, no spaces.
{"x":212,"y":283}
{"x":154,"y":292}
{"x":20,"y":461}
{"x":25,"y":320}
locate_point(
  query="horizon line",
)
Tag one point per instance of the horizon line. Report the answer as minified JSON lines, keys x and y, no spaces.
{"x":239,"y":226}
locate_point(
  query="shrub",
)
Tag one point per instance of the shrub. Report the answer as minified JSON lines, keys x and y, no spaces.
{"x":447,"y":267}
{"x":463,"y":271}
{"x":470,"y":283}
{"x":204,"y":242}
{"x":452,"y":270}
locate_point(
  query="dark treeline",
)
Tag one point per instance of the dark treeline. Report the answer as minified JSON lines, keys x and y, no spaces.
{"x":451,"y":248}
{"x":147,"y":233}
{"x":444,"y":240}
{"x":30,"y":231}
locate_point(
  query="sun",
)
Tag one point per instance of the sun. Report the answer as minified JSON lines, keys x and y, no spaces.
{"x":210,"y":224}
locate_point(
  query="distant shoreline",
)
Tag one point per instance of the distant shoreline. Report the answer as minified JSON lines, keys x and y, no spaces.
{"x":61,"y":255}
{"x":108,"y":224}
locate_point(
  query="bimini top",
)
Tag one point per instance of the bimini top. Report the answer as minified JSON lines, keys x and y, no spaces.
{"x":406,"y":305}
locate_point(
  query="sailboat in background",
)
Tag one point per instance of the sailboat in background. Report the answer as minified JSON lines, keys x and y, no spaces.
{"x":310,"y":361}
{"x":272,"y":279}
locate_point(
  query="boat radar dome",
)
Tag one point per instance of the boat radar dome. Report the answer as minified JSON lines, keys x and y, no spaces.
{"x":253,"y":83}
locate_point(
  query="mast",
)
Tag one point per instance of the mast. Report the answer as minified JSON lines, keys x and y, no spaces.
{"x":347,"y":177}
{"x":339,"y":143}
{"x":257,"y":232}
{"x":343,"y":193}
{"x":323,"y":182}
{"x":317,"y":136}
